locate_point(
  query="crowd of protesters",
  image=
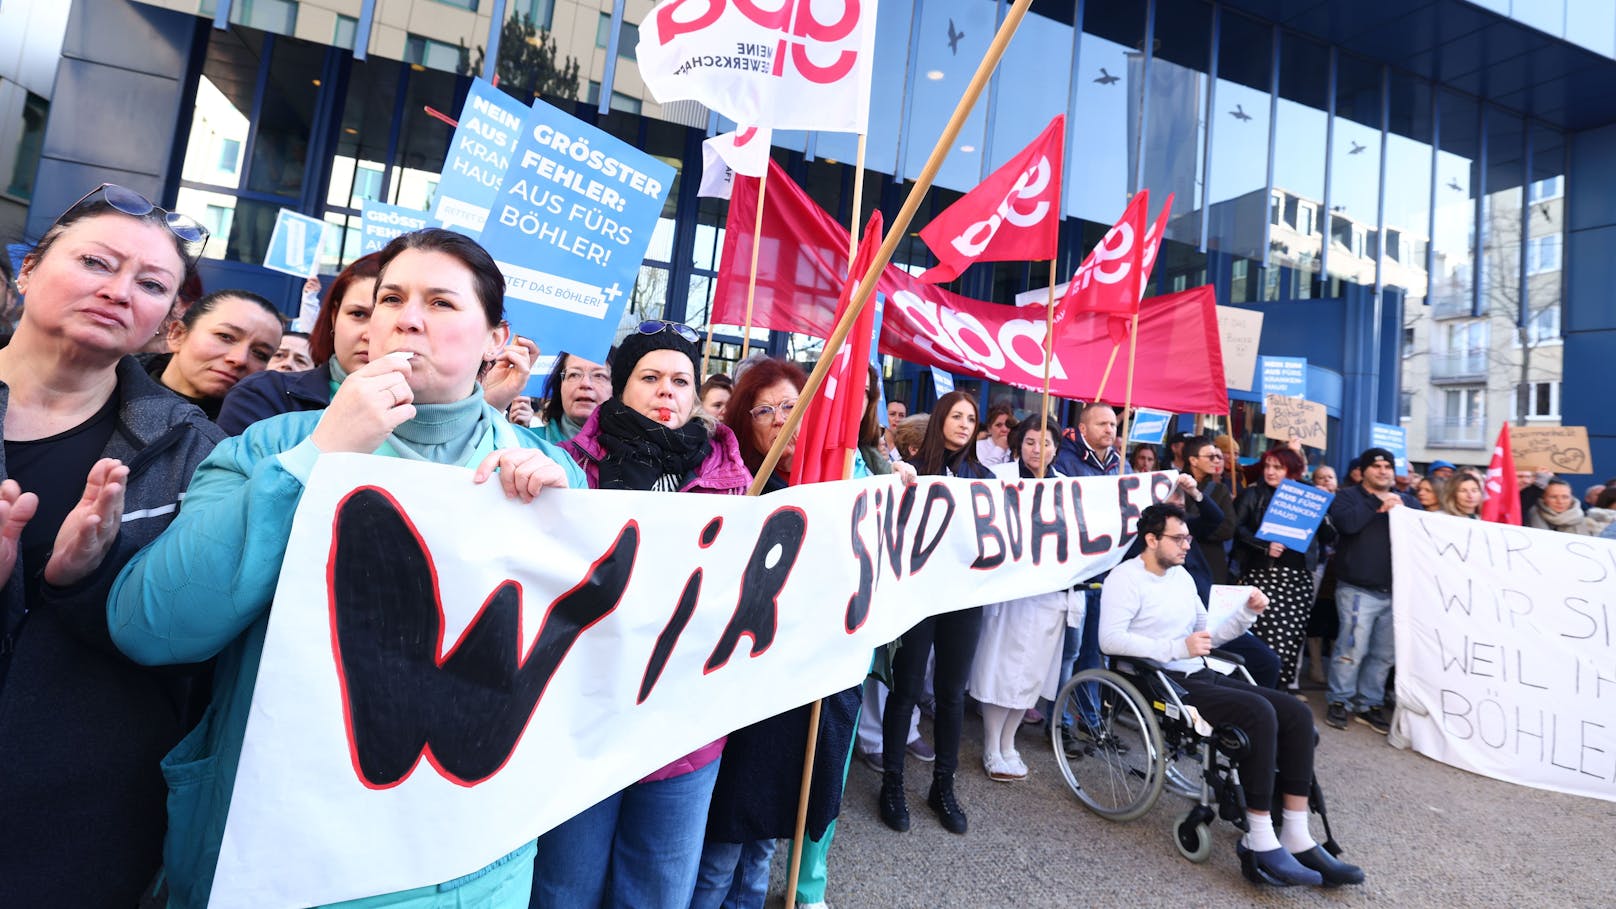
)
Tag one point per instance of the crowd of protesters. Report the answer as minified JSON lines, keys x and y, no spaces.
{"x":157,"y":439}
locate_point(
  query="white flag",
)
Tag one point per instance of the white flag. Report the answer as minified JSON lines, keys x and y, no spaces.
{"x":806,"y":65}
{"x":744,"y":152}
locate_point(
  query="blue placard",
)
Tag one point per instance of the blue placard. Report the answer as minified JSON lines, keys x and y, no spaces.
{"x":479,"y":157}
{"x":1285,"y":376}
{"x":569,"y":227}
{"x":1294,"y":514}
{"x":1149,"y":427}
{"x":1395,"y":440}
{"x":942,"y":381}
{"x":294,"y":246}
{"x":380,"y":223}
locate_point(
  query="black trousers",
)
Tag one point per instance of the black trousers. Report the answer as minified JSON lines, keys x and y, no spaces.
{"x":953,"y":636}
{"x":1279,"y":727}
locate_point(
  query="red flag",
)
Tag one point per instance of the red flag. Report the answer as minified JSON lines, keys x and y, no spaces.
{"x":830,"y":427}
{"x":1014,"y":214}
{"x":801,"y":261}
{"x":1503,"y":504}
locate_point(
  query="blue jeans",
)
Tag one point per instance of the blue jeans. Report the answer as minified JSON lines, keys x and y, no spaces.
{"x":1364,"y":649}
{"x":733,"y":875}
{"x":637,"y":848}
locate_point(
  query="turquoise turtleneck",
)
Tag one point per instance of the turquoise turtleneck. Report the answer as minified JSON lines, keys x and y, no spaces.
{"x":443,"y":433}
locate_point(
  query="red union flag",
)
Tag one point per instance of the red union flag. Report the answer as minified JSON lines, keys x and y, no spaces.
{"x":1503,"y":503}
{"x":1012,"y":215}
{"x":803,"y":65}
{"x":831,"y":425}
{"x":1113,"y":278}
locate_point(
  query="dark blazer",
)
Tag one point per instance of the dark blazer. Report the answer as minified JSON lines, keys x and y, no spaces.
{"x":265,"y":394}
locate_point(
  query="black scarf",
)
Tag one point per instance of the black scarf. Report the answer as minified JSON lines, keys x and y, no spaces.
{"x":640,"y":451}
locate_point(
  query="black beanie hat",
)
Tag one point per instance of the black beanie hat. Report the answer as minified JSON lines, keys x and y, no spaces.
{"x":637,"y":345}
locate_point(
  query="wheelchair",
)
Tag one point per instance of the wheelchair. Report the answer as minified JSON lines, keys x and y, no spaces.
{"x":1148,"y":740}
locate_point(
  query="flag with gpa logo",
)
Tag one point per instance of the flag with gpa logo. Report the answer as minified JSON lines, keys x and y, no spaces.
{"x":830,"y":427}
{"x":1112,"y":280}
{"x":1012,"y":215}
{"x":803,"y":65}
{"x":744,"y":152}
{"x":1503,"y":502}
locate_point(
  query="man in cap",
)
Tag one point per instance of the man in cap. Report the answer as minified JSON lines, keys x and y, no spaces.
{"x":1363,"y":597}
{"x":1441,"y":470}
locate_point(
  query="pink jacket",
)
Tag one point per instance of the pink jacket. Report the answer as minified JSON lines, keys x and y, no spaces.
{"x":723,"y":473}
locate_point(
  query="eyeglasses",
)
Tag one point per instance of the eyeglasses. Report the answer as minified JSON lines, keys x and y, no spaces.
{"x":652,"y":326}
{"x":766,"y":412}
{"x":1182,"y":539}
{"x":131,"y":203}
{"x":596,"y":377}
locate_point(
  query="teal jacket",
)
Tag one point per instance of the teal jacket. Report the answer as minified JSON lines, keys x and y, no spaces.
{"x":202,"y":590}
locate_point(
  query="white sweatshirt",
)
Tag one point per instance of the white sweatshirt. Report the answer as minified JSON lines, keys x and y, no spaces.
{"x":1148,"y":615}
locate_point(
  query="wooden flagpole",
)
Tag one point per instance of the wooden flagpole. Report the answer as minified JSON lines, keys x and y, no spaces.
{"x":757,"y":244}
{"x":797,"y":841}
{"x":899,"y":228}
{"x":707,"y":351}
{"x":1049,"y":356}
{"x":1127,"y":403}
{"x":1106,"y":376}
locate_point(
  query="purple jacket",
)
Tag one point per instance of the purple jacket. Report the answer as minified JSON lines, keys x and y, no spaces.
{"x":723,"y":473}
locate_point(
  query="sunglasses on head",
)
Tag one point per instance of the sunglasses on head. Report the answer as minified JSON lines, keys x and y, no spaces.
{"x":129,"y":202}
{"x":652,"y":326}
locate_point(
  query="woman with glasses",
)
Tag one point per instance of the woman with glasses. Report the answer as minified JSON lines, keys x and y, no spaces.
{"x":945,"y":451}
{"x":994,"y":446}
{"x":339,"y":343}
{"x":223,"y":338}
{"x":204,"y":589}
{"x":640,"y":847}
{"x":1283,"y":574}
{"x":575,"y":388}
{"x":96,"y":458}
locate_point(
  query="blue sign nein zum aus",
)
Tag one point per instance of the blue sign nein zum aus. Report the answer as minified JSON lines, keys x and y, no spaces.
{"x":569,"y":227}
{"x":479,"y":156}
{"x":1294,"y":514}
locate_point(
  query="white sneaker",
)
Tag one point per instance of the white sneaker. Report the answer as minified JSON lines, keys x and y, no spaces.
{"x":997,"y":769}
{"x":1015,"y":766}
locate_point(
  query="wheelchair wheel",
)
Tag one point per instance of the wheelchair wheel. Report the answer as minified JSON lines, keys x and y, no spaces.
{"x":1112,"y":756}
{"x":1193,"y":837}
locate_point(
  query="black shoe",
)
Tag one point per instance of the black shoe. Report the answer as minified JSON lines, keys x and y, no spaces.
{"x":1275,"y":867}
{"x":1336,"y":715}
{"x":1334,"y":871}
{"x":894,"y":808}
{"x":941,"y":800}
{"x":1375,"y":719}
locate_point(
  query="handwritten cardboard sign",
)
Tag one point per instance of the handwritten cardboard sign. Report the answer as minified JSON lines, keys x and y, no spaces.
{"x":1240,"y":330}
{"x":1562,"y":449}
{"x":1296,"y":418}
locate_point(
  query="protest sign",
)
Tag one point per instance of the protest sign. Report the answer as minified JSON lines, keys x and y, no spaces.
{"x":1149,"y":426}
{"x":1240,"y":331}
{"x":1294,"y":514}
{"x":1285,"y":376}
{"x":942,"y":380}
{"x":380,"y":223}
{"x":1395,"y":440}
{"x":479,"y":156}
{"x":1223,"y":600}
{"x":1296,"y":418}
{"x":536,"y":658}
{"x":569,"y":227}
{"x":294,"y":245}
{"x":1504,"y":643}
{"x":1562,"y":449}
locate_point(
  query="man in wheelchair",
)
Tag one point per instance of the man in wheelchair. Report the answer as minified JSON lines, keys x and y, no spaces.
{"x":1149,"y":608}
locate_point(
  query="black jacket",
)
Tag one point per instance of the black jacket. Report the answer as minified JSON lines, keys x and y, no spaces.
{"x":1252,"y":552}
{"x":81,"y":727}
{"x":268,"y":393}
{"x":1363,"y":551}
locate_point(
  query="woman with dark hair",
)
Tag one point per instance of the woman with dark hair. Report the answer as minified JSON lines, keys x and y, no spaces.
{"x":946,"y":450}
{"x":205,"y":587}
{"x":1143,"y":459}
{"x":96,"y":458}
{"x":994,"y":446}
{"x":225,"y":337}
{"x":640,"y":846}
{"x":1283,"y":574}
{"x":715,"y":393}
{"x":1018,"y":652}
{"x":572,"y":392}
{"x":339,"y":343}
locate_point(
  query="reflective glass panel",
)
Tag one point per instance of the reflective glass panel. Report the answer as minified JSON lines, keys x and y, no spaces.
{"x":1237,"y":182}
{"x":1104,"y":128}
{"x":1297,"y":222}
{"x":1408,"y":188}
{"x":1501,"y":241}
{"x":1173,"y":144}
{"x":1355,"y":171}
{"x":951,"y":39}
{"x":1454,"y":231}
{"x":280,"y":152}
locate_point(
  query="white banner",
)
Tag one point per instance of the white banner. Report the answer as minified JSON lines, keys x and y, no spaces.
{"x":1506,"y":650}
{"x":541,"y":657}
{"x":804,"y":65}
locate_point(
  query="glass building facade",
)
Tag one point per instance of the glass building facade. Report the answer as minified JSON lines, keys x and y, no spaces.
{"x":1397,"y":213}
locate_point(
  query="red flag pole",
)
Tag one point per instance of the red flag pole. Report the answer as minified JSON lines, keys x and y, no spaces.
{"x":795,"y":866}
{"x":751,"y":278}
{"x":898,"y":230}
